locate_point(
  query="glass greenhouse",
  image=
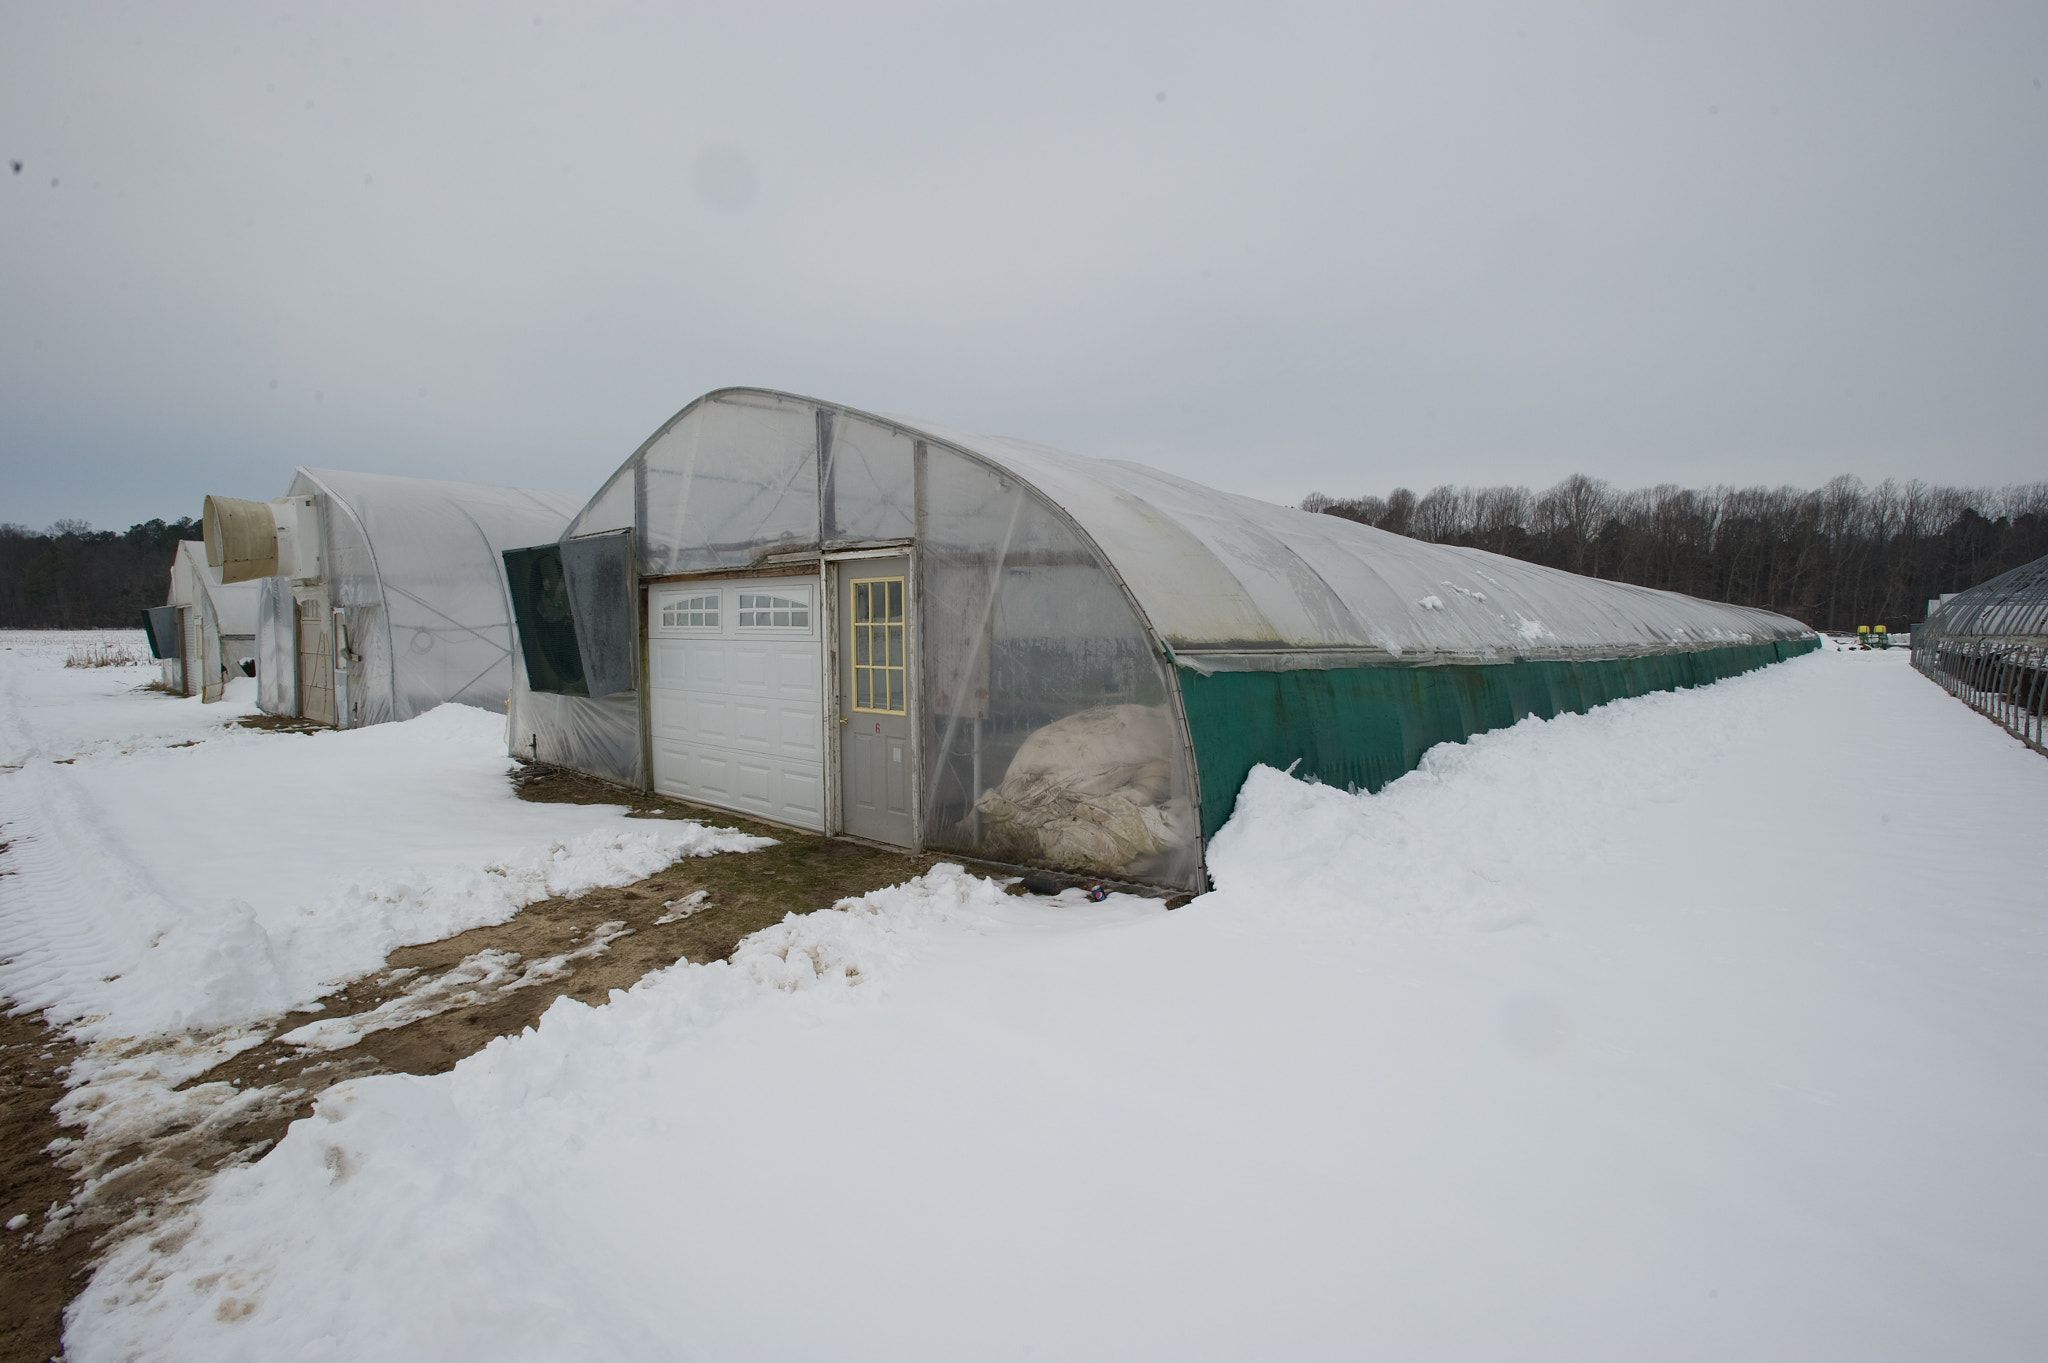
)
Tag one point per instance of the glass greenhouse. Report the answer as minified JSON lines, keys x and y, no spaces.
{"x":1989,"y":647}
{"x":887,"y":628}
{"x":380,"y":597}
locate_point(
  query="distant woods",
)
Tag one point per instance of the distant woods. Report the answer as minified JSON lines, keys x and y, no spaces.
{"x":1837,"y":557}
{"x":74,"y":577}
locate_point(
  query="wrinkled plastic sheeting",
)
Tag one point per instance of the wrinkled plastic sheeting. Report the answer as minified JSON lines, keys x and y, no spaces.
{"x":413,"y":564}
{"x":727,"y":483}
{"x":234,"y":604}
{"x":277,"y":649}
{"x":868,"y":491}
{"x":1229,"y":574}
{"x":211,"y":680}
{"x":597,"y":735}
{"x":227,"y":612}
{"x":736,"y":478}
{"x":598,"y":572}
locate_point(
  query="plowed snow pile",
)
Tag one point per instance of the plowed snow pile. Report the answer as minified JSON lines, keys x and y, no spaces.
{"x":1706,"y":1026}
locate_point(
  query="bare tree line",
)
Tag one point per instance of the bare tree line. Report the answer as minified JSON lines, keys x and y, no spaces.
{"x":72,"y":576}
{"x":1835,"y":557}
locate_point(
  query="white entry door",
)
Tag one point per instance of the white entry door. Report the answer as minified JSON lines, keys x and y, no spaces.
{"x":734,"y":696}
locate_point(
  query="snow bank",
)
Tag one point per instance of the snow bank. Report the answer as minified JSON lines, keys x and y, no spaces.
{"x":1704,"y":1026}
{"x":203,"y":887}
{"x":504,"y":1105}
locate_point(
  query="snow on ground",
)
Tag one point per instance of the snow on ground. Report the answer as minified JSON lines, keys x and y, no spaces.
{"x":170,"y":885}
{"x":50,"y":711}
{"x":201,"y":887}
{"x":1708,"y":1025}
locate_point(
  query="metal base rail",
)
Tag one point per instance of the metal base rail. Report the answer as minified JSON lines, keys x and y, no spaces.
{"x":2005,"y":681}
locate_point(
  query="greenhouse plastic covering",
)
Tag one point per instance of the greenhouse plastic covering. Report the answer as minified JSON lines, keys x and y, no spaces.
{"x":1989,"y":647}
{"x":1055,"y":593}
{"x":1232,"y":583}
{"x":277,"y":661}
{"x":224,"y":620}
{"x":412,"y":566}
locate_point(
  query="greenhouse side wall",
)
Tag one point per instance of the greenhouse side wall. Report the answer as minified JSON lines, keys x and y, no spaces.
{"x":1988,"y":647}
{"x":1361,"y":727}
{"x":599,"y":736}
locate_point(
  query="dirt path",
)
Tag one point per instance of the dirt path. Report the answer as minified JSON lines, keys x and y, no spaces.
{"x":445,"y":999}
{"x":35,"y":1280}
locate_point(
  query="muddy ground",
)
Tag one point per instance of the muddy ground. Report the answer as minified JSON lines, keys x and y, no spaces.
{"x":603,"y":941}
{"x":34,"y":1282}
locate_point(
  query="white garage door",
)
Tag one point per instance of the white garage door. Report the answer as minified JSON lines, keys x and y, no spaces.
{"x":737,"y":709}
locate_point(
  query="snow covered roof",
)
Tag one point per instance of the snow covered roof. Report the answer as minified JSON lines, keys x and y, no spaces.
{"x":1226,"y":579}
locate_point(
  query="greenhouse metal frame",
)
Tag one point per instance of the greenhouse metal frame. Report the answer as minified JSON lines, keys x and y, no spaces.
{"x":1988,"y":647}
{"x":1092,"y":654}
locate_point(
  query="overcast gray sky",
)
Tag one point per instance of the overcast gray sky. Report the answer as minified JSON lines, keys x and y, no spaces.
{"x":1273,"y":248}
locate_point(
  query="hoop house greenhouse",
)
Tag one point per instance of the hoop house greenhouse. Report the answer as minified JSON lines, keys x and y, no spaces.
{"x":205,"y":629}
{"x":1988,"y":646}
{"x":886,"y":628}
{"x":381,"y":597}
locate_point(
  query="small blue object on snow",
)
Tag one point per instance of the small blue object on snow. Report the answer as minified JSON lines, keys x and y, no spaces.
{"x":1096,"y":894}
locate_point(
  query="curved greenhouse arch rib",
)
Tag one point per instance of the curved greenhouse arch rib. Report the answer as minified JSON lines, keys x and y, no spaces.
{"x":1118,"y":645}
{"x":1988,"y":646}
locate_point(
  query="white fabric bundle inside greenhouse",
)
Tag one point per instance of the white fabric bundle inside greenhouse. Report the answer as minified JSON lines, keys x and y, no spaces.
{"x":1034,"y":657}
